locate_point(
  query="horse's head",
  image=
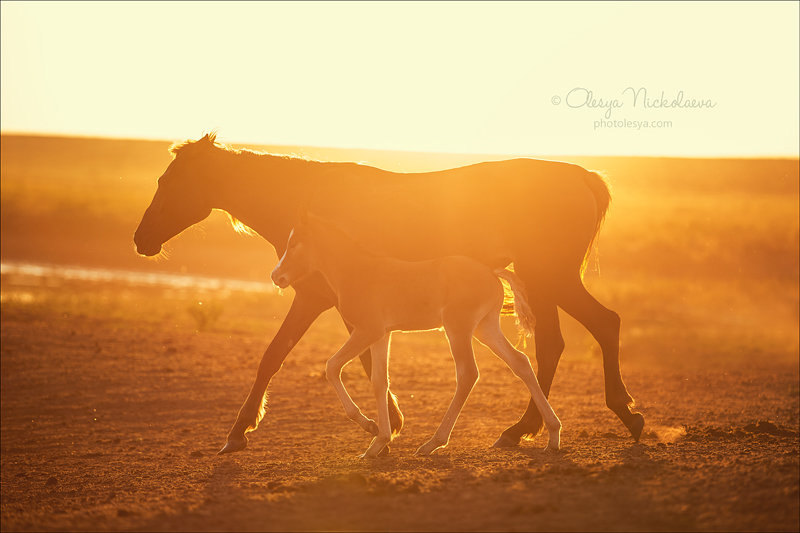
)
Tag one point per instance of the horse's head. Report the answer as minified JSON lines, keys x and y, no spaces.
{"x":296,"y":262}
{"x":181,"y":199}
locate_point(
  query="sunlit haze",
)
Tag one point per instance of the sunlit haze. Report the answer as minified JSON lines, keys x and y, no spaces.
{"x":592,"y":206}
{"x":455,"y":77}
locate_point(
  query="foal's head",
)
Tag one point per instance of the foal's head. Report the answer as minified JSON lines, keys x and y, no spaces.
{"x":315,"y":244}
{"x":296,"y":262}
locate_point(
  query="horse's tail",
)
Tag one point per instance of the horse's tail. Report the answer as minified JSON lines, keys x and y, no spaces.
{"x":525,"y":317}
{"x":602,"y":199}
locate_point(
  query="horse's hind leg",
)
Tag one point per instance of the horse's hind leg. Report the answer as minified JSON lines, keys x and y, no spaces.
{"x":490,"y":334}
{"x":604,"y":326}
{"x":549,"y":345}
{"x":380,"y":386}
{"x":467,"y":374}
{"x":358,"y":342}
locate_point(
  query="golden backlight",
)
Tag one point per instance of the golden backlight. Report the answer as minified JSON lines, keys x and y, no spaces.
{"x":663,"y":144}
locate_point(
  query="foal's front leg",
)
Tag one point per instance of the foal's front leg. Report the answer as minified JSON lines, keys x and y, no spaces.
{"x":380,"y":386}
{"x":359,"y":341}
{"x":396,"y":418}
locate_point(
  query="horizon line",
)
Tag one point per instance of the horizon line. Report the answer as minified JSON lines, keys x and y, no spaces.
{"x":89,"y":136}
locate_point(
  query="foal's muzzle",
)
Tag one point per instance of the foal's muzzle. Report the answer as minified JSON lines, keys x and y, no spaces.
{"x":280,"y":279}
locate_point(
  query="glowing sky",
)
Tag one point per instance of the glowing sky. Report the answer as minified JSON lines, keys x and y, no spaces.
{"x":460,"y":77}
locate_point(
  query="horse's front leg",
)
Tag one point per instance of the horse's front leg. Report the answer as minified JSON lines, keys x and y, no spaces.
{"x":306,"y":307}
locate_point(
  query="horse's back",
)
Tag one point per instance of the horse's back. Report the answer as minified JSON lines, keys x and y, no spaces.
{"x":493,"y":211}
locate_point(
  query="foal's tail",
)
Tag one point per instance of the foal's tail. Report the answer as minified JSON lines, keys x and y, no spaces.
{"x":525,"y":317}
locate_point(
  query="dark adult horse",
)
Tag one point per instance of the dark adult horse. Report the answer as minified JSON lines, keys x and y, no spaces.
{"x":542,"y":215}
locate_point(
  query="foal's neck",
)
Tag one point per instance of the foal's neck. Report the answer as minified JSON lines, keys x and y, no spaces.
{"x":339,"y":258}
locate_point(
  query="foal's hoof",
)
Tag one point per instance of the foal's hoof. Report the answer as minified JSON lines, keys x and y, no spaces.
{"x":505,"y":442}
{"x":636,"y":426}
{"x":372,"y":455}
{"x":429,"y":447}
{"x":376,"y":448}
{"x":371,"y":427}
{"x":233,"y":445}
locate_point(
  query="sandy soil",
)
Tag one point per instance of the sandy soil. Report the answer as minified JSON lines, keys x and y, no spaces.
{"x":114,"y":405}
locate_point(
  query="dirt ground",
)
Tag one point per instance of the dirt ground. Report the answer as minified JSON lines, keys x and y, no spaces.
{"x":114,"y":404}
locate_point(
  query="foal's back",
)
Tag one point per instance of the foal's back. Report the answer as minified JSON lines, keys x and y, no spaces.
{"x":422,"y":295}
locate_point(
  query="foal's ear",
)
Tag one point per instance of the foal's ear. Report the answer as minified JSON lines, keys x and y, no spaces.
{"x":300,"y":223}
{"x":302,"y":219}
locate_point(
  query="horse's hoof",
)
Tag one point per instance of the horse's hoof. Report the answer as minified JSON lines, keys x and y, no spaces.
{"x":636,"y":426}
{"x":505,"y":442}
{"x":233,"y":445}
{"x":385,"y":451}
{"x":552,"y":449}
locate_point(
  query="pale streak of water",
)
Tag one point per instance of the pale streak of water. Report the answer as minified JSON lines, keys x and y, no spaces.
{"x":132,"y":277}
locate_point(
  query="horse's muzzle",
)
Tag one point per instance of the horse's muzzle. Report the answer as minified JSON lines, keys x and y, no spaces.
{"x":148,"y":252}
{"x":144,"y":248}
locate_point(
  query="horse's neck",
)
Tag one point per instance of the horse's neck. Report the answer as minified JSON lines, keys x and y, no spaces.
{"x":264,"y":192}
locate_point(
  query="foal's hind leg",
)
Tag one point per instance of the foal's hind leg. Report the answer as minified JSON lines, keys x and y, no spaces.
{"x":490,"y":334}
{"x":604,"y":325}
{"x":466,"y":376}
{"x":358,"y":342}
{"x":549,"y":346}
{"x":380,"y":386}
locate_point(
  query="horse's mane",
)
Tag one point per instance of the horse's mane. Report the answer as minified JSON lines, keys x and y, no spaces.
{"x":188,"y":144}
{"x":208,"y":144}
